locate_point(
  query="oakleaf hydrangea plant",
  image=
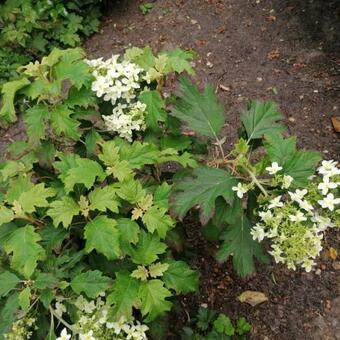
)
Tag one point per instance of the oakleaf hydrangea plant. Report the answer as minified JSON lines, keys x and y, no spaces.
{"x":89,"y":202}
{"x":244,"y":199}
{"x":84,"y":213}
{"x":294,"y":221}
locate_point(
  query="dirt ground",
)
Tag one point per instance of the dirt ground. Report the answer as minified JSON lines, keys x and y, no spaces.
{"x":287,"y":51}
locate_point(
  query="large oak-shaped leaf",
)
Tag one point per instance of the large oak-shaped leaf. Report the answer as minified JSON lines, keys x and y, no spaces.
{"x":124,"y":295}
{"x":239,"y":243}
{"x":25,"y":249}
{"x":300,"y":164}
{"x":261,"y":119}
{"x":202,"y":188}
{"x":200,"y":111}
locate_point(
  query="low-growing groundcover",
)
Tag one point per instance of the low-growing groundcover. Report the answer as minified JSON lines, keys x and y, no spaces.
{"x":89,"y":203}
{"x":32,"y":28}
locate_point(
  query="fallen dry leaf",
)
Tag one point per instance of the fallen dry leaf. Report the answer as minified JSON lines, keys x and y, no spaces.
{"x":252,"y":297}
{"x":332,"y":253}
{"x":220,"y":29}
{"x":224,"y":88}
{"x":299,"y":65}
{"x":271,"y":18}
{"x":274,"y":54}
{"x":336,"y":123}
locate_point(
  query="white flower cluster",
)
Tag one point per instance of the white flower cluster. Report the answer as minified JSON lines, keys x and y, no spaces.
{"x":94,"y":323}
{"x":22,"y":329}
{"x":295,"y":221}
{"x":120,"y":81}
{"x":124,"y":123}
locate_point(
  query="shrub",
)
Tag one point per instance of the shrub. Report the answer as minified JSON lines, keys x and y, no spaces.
{"x":85,"y":200}
{"x":31,"y":28}
{"x":88,"y":217}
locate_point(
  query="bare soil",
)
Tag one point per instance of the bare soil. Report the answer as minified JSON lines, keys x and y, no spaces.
{"x":286,"y":51}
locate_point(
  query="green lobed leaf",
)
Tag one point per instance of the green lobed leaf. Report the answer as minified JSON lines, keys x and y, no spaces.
{"x":124,"y":295}
{"x":35,"y":121}
{"x":9,"y":90}
{"x":156,"y":219}
{"x":8,"y":281}
{"x":129,"y":231}
{"x":24,"y":298}
{"x":85,"y":172}
{"x":153,"y":296}
{"x":180,"y":277}
{"x":12,"y":168}
{"x":202,"y":188}
{"x":158,"y":269}
{"x":45,"y":280}
{"x":142,"y":57}
{"x":36,"y":196}
{"x":147,"y":249}
{"x":242,"y":326}
{"x":155,"y":109}
{"x":63,"y":124}
{"x":23,"y":244}
{"x":17,"y":186}
{"x":91,"y":283}
{"x":52,"y":238}
{"x":131,"y":190}
{"x":238,"y":242}
{"x":73,"y":68}
{"x":261,"y":119}
{"x":104,"y":198}
{"x":8,"y":314}
{"x":103,"y":235}
{"x":201,"y":111}
{"x":300,"y":164}
{"x":84,"y":97}
{"x":138,"y":154}
{"x":6,"y":215}
{"x":223,"y":325}
{"x":279,"y":149}
{"x":171,"y":155}
{"x":161,"y":195}
{"x":180,"y":61}
{"x":63,"y":211}
{"x":140,"y":273}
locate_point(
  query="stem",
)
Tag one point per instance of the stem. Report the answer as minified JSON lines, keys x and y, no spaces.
{"x":220,"y":147}
{"x":32,"y":220}
{"x":70,"y":327}
{"x":254,"y":179}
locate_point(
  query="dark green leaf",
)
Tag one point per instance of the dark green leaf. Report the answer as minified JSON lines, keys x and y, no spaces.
{"x":91,"y":283}
{"x":147,"y":249}
{"x":8,"y":281}
{"x":201,"y":111}
{"x":154,"y":109}
{"x":103,"y":235}
{"x":153,"y":295}
{"x":239,"y":243}
{"x":25,"y":249}
{"x":180,"y":277}
{"x":261,"y":119}
{"x":206,"y":185}
{"x":124,"y":295}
